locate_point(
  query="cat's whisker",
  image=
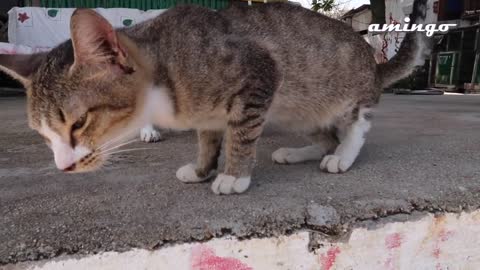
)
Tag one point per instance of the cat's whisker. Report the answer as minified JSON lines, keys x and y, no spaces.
{"x":107,"y":143}
{"x":116,"y":146}
{"x":127,"y":150}
{"x":116,"y":139}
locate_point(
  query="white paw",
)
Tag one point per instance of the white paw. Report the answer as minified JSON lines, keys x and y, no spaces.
{"x":227,"y":184}
{"x":335,"y":164}
{"x":286,"y":156}
{"x":187,"y":174}
{"x":150,"y":134}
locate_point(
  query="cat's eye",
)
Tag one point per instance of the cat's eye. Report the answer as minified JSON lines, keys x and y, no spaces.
{"x":80,"y":122}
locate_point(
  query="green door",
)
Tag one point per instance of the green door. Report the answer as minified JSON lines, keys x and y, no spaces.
{"x":477,"y":77}
{"x":446,"y":68}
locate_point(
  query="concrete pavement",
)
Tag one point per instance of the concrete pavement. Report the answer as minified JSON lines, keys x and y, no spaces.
{"x":422,"y":155}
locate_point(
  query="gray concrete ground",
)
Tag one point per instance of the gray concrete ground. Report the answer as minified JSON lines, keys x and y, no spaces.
{"x":423,"y":154}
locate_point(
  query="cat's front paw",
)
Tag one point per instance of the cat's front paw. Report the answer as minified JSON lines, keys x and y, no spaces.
{"x":227,"y":184}
{"x":335,"y":164}
{"x":149,"y":134}
{"x":188,"y":174}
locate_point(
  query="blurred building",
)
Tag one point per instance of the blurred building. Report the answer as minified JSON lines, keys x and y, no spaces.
{"x":359,"y":19}
{"x":456,"y":57}
{"x":455,"y":60}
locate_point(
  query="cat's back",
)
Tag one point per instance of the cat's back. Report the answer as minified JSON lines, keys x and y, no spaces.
{"x":301,"y":33}
{"x":283,"y":19}
{"x":188,"y":21}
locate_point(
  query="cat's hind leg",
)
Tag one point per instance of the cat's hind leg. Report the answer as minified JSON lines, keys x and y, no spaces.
{"x":150,"y":134}
{"x":352,"y":137}
{"x":323,"y":142}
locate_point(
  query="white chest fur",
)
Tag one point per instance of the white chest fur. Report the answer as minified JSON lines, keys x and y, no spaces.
{"x":160,"y":109}
{"x":161,"y":112}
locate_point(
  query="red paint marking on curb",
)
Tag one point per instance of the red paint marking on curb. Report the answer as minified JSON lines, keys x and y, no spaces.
{"x":441,"y":237}
{"x":445,"y":235}
{"x":438,"y":267}
{"x":204,"y":258}
{"x":329,"y":259}
{"x":389,"y":263}
{"x":393,"y":240}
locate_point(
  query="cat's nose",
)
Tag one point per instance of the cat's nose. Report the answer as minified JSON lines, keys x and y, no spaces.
{"x":64,"y":156}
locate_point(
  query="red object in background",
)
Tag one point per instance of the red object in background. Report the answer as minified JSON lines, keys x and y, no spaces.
{"x":441,"y":10}
{"x":22,"y":17}
{"x":435,"y":7}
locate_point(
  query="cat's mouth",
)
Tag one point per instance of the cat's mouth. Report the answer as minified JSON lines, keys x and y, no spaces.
{"x":90,"y":162}
{"x":96,"y":159}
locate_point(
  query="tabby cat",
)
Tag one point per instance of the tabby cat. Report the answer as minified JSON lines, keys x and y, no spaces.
{"x":224,"y":73}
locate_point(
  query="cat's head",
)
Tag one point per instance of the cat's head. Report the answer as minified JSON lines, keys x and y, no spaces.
{"x":85,"y":95}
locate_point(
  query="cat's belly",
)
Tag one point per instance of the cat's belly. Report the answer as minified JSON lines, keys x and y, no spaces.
{"x":171,"y":121}
{"x":304,"y":116}
{"x":211,"y":124}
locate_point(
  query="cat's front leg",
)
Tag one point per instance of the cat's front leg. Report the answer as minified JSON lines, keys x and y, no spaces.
{"x":240,"y":149}
{"x":209,"y":146}
{"x":150,"y":134}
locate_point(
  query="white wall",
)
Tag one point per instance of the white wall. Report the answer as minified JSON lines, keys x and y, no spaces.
{"x":25,"y":24}
{"x":399,"y":9}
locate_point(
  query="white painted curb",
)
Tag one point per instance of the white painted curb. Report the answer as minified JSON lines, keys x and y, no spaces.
{"x":450,"y":241}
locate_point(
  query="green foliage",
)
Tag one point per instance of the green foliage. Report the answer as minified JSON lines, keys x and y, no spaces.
{"x":52,"y":13}
{"x":127,"y":22}
{"x":325,"y":5}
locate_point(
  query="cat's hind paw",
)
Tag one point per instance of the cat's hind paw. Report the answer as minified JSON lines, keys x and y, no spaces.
{"x":287,"y":156}
{"x":227,"y":184}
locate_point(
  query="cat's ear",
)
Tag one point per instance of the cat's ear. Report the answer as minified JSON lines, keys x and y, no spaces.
{"x":95,"y":41}
{"x":21,"y":66}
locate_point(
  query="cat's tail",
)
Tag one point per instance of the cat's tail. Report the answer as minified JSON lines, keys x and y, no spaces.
{"x":410,"y":53}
